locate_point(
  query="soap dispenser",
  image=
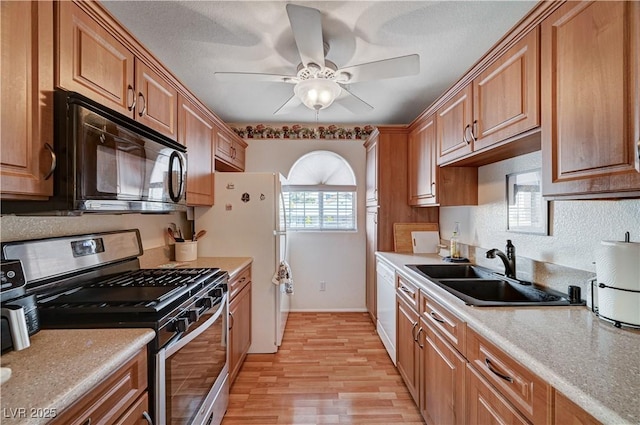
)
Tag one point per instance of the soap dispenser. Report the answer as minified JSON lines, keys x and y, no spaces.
{"x":455,"y":242}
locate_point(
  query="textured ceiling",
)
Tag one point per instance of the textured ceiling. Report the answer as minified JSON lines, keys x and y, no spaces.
{"x":194,"y":39}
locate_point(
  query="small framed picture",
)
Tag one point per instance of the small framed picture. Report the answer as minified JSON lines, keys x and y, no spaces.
{"x":527,"y":211}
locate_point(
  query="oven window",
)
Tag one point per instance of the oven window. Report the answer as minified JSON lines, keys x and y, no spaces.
{"x":192,"y":371}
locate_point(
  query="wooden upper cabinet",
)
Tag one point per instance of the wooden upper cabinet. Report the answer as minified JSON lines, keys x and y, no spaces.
{"x":157,"y":101}
{"x":93,"y":62}
{"x":453,"y":124}
{"x":506,"y":96}
{"x":590,"y":92}
{"x":230,"y":151}
{"x":422,"y":164}
{"x":502,"y":102}
{"x":26,"y":126}
{"x":371,"y":171}
{"x":197,"y":132}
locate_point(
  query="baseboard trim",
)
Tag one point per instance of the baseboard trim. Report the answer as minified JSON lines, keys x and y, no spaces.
{"x":328,"y":310}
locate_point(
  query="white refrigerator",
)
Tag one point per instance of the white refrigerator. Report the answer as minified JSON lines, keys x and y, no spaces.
{"x":247,"y":220}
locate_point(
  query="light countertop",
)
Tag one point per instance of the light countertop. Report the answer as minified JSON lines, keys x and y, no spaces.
{"x":232,"y":265}
{"x":60,"y":367}
{"x":593,"y":363}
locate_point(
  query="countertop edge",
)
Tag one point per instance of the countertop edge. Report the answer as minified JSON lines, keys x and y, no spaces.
{"x":71,"y":390}
{"x":585,"y":401}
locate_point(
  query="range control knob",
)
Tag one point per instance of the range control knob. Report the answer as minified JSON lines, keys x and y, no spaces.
{"x":180,"y":324}
{"x":206,"y":302}
{"x":193,"y":315}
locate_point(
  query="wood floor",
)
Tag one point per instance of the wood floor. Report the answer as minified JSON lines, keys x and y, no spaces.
{"x":330,"y":369}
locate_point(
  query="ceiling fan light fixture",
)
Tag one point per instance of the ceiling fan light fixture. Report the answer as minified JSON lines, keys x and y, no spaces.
{"x":317,"y":93}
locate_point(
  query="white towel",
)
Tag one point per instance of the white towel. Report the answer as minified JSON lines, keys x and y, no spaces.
{"x":283,"y":276}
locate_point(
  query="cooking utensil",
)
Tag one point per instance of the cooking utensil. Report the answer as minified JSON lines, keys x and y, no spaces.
{"x":174,"y":235}
{"x":199,"y":235}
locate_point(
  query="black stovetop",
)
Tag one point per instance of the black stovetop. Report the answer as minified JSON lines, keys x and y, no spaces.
{"x":149,"y":291}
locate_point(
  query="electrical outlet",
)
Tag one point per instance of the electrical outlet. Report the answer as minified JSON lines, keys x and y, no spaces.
{"x":323,"y":285}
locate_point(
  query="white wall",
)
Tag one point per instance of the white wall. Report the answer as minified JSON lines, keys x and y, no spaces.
{"x":337,"y":258}
{"x":152,"y":226}
{"x":576,"y":227}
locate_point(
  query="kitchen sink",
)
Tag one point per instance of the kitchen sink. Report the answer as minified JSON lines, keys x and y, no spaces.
{"x":451,"y":271}
{"x":495,"y":292}
{"x":483,"y":287}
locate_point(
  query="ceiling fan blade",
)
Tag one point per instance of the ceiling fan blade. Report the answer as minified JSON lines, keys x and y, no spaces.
{"x":288,"y":106}
{"x":401,"y":66}
{"x":353,"y":102}
{"x":306,"y":24}
{"x":243,"y":77}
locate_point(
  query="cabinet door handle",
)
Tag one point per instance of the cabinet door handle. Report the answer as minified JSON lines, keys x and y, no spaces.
{"x":495,"y":372}
{"x":144,"y":104}
{"x":418,"y":337}
{"x":132,"y":92}
{"x":231,"y":319}
{"x":147,"y":418}
{"x":474,"y":130}
{"x":435,"y":317}
{"x":464,"y":134}
{"x":87,"y":422}
{"x":54,"y":161}
{"x":413,"y":332}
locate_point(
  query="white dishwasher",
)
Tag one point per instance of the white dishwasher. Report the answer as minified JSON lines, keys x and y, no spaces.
{"x":386,"y":305}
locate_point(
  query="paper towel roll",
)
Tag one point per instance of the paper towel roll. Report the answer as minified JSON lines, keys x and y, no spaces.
{"x":618,"y":266}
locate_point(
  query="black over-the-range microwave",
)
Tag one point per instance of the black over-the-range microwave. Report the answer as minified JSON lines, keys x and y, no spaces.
{"x":108,"y":163}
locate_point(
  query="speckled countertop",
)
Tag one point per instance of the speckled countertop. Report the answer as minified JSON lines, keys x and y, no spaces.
{"x":594,"y":364}
{"x":61,"y":366}
{"x":232,"y":265}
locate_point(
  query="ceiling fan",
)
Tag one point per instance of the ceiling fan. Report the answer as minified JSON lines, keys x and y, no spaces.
{"x":318,"y":81}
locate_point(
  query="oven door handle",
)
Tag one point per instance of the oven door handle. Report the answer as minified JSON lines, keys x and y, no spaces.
{"x":174,"y":347}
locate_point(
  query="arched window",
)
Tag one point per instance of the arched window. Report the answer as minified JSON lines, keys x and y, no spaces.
{"x":320,"y":193}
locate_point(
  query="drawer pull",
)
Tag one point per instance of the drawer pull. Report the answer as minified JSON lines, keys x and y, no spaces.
{"x":435,"y":317}
{"x":87,"y":422}
{"x":147,"y":418}
{"x":413,"y":332}
{"x":243,"y":279}
{"x":495,"y":372}
{"x":406,"y":290}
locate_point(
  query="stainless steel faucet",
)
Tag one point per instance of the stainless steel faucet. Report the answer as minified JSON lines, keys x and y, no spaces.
{"x":509,"y":259}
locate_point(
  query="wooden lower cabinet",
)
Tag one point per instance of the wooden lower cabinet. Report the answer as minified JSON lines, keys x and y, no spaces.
{"x":442,"y":396}
{"x":485,"y":405}
{"x":138,"y":413}
{"x":568,"y":413}
{"x":121,"y":398}
{"x":239,"y":321}
{"x":456,"y":376}
{"x":407,"y":348}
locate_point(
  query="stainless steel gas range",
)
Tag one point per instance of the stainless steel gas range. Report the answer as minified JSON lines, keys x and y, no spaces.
{"x":95,"y":281}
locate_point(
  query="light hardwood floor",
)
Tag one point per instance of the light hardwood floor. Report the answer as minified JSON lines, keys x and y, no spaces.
{"x":330,"y":369}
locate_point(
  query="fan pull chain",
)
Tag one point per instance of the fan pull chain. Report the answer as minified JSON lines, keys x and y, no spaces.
{"x":317,"y":113}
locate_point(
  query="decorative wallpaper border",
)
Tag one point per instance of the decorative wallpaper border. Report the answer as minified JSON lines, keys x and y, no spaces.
{"x":297,"y":131}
